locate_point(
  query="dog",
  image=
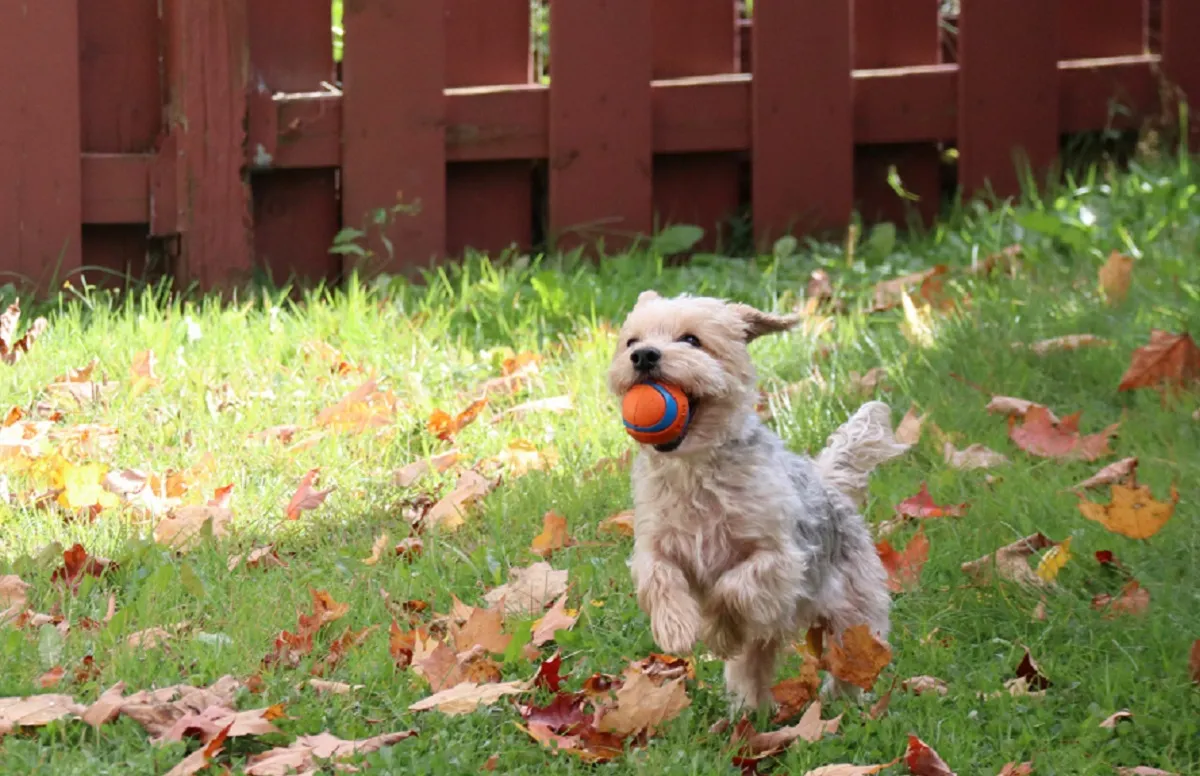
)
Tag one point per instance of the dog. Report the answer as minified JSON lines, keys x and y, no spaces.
{"x":739,"y":542}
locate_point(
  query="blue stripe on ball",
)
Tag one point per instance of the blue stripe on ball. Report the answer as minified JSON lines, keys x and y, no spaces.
{"x":670,"y":412}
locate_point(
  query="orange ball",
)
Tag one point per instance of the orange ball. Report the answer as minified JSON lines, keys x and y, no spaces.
{"x":655,"y":413}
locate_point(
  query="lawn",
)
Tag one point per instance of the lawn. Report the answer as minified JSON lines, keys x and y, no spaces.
{"x":225,"y":374}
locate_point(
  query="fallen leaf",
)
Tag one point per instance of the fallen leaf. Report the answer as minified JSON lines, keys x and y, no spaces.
{"x":1123,"y":471}
{"x":12,"y":348}
{"x":213,"y":720}
{"x":868,"y":382}
{"x":1112,"y":722}
{"x":363,"y":408}
{"x":1039,"y":611}
{"x":922,"y":760}
{"x":450,"y":512}
{"x":908,"y":432}
{"x":858,"y":657}
{"x":402,"y":644}
{"x":1133,"y":599}
{"x":558,"y":618}
{"x":326,"y":687}
{"x":467,"y":696}
{"x":1010,"y":562}
{"x":484,"y":627}
{"x":377,"y":549}
{"x":490,"y":763}
{"x":922,"y":506}
{"x":589,"y":745}
{"x":414,"y":471}
{"x":1132,"y":512}
{"x":917,"y":326}
{"x":1194,"y":661}
{"x":283,"y":434}
{"x":919,"y":685}
{"x":529,"y":589}
{"x":200,"y":759}
{"x":1016,"y":769}
{"x":12,"y":592}
{"x":620,"y":523}
{"x":549,"y":676}
{"x":306,"y":496}
{"x":793,"y":694}
{"x":1067,"y":342}
{"x":1169,"y":359}
{"x":521,"y":457}
{"x":554,"y":404}
{"x":51,"y":678}
{"x":1144,"y":770}
{"x":888,"y":293}
{"x":750,"y":746}
{"x":880,"y":707}
{"x":260,"y":557}
{"x":1054,"y":560}
{"x":142,"y":373}
{"x":1115,"y":276}
{"x":843,"y":769}
{"x":106,"y":708}
{"x":642,"y":705}
{"x":974,"y":456}
{"x":157,"y":711}
{"x":36,"y":710}
{"x":78,"y":564}
{"x":78,"y":385}
{"x":409,"y":548}
{"x":1031,"y":673}
{"x":444,"y":426}
{"x":1013,"y":407}
{"x":300,"y":757}
{"x":183,"y":527}
{"x":553,"y":537}
{"x":1041,"y":436}
{"x":904,"y":568}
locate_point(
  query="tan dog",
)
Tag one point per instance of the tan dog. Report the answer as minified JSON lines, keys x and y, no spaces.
{"x":738,"y":541}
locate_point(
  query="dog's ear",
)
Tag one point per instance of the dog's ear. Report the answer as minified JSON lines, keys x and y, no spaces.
{"x":647,"y":296}
{"x":759,"y":323}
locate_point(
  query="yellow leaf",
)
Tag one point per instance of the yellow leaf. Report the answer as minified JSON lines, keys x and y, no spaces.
{"x":1133,"y":512}
{"x":1054,"y":559}
{"x":918,"y":323}
{"x":1115,"y":277}
{"x":82,"y":486}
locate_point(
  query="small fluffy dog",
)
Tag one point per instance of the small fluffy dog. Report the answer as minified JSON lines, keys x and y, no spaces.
{"x":738,"y":541}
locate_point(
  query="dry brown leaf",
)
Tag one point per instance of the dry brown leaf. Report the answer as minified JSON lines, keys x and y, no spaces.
{"x":1169,"y":359}
{"x":974,"y":456}
{"x":79,"y":386}
{"x":642,"y":705}
{"x":919,"y":685}
{"x":1112,"y":721}
{"x":1194,"y":661}
{"x":157,"y":711}
{"x":553,"y":537}
{"x":1116,"y":274}
{"x":300,"y":756}
{"x":36,"y":710}
{"x":51,"y":678}
{"x":183,"y":527}
{"x":414,"y":471}
{"x":844,"y":769}
{"x":1010,"y":562}
{"x":908,"y":432}
{"x":209,"y":722}
{"x":260,"y":557}
{"x":558,"y":618}
{"x":750,"y":746}
{"x":521,"y":457}
{"x":484,"y":627}
{"x":923,"y":506}
{"x":620,"y":523}
{"x":529,"y":590}
{"x":589,"y":745}
{"x":12,"y":592}
{"x":1066,"y":342}
{"x":107,"y":707}
{"x":858,"y":657}
{"x":794,"y":693}
{"x":889,"y":293}
{"x":142,"y":374}
{"x":377,"y":549}
{"x":1040,"y":435}
{"x":868,"y":382}
{"x":1016,"y":769}
{"x":1144,"y":770}
{"x":11,"y":346}
{"x":306,"y":496}
{"x":1133,"y":599}
{"x":363,"y":408}
{"x":1133,"y":512}
{"x":922,"y":760}
{"x":201,"y":758}
{"x":326,"y":687}
{"x":1013,"y":407}
{"x":466,"y":697}
{"x":1123,"y":471}
{"x":409,"y":548}
{"x":450,"y":512}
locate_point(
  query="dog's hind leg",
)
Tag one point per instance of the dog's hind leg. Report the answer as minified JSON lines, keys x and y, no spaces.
{"x":748,"y":676}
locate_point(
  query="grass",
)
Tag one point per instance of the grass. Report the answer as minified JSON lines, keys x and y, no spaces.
{"x":430,"y":343}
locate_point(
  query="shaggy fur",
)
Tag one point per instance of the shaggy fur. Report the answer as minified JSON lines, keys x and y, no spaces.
{"x":738,"y":541}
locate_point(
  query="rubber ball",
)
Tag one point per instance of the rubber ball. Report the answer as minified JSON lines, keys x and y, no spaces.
{"x":655,"y":413}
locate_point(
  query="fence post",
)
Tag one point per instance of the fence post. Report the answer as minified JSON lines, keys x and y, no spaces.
{"x":393,"y":128}
{"x":41,"y":197}
{"x":207,"y":62}
{"x":600,"y":121}
{"x":690,"y":38}
{"x":1007,"y":92}
{"x":488,"y":204}
{"x":802,"y":117}
{"x":1181,"y":57}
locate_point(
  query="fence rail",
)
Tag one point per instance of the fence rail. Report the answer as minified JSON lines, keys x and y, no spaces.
{"x":215,"y":138}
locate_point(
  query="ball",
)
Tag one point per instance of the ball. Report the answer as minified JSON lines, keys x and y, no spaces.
{"x":655,"y":413}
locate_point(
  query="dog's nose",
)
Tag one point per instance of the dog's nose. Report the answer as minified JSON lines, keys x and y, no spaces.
{"x":645,"y":359}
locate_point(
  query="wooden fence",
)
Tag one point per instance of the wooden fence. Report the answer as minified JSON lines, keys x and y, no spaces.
{"x":215,"y":138}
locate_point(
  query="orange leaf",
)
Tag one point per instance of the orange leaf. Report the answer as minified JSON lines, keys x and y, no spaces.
{"x":306,"y":497}
{"x":923,"y":761}
{"x":363,"y":408}
{"x":51,"y":677}
{"x":858,"y":657}
{"x":1169,"y":359}
{"x":444,"y":426}
{"x":620,"y":523}
{"x":1115,"y":277}
{"x":921,"y":505}
{"x":553,"y":537}
{"x":1133,"y":599}
{"x":1133,"y":512}
{"x":904,"y":568}
{"x":1040,"y":436}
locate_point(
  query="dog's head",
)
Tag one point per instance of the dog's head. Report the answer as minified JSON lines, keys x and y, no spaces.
{"x":698,"y":344}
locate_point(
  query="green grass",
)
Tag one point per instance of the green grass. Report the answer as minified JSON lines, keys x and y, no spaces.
{"x":429,"y":343}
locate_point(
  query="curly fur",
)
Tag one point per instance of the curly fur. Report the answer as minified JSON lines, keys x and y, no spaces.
{"x":740,"y":542}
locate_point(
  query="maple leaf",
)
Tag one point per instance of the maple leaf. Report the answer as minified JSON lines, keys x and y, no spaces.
{"x":264,"y":557}
{"x":158,"y":711}
{"x":465,"y":697}
{"x":51,"y":678}
{"x":183,"y":527}
{"x":450,"y":511}
{"x":529,"y":590}
{"x":558,"y":618}
{"x":12,"y":348}
{"x":662,"y":668}
{"x":36,"y":710}
{"x":1132,"y":512}
{"x":888,"y":293}
{"x":1133,"y":599}
{"x":553,"y":537}
{"x":548,"y":675}
{"x":79,"y":386}
{"x":904,"y":568}
{"x":306,"y":496}
{"x":642,"y":705}
{"x":521,"y":457}
{"x":142,"y":373}
{"x":858,"y":657}
{"x":1016,"y":769}
{"x":922,"y":760}
{"x":922,"y":506}
{"x":1144,"y":770}
{"x":13,"y":592}
{"x":414,"y":471}
{"x":1041,"y":436}
{"x":211,"y":721}
{"x":750,"y":746}
{"x":1013,"y":407}
{"x":1169,"y":359}
{"x":1054,"y":560}
{"x":326,"y":687}
{"x":1010,"y":562}
{"x":1122,"y":471}
{"x":78,"y":564}
{"x":402,"y":643}
{"x":363,"y":408}
{"x":588,"y":744}
{"x":974,"y":456}
{"x":918,"y":685}
{"x":1115,"y":275}
{"x":908,"y":432}
{"x":1029,"y":672}
{"x":1065,"y":343}
{"x":620,"y":523}
{"x":844,"y":769}
{"x":794,"y":693}
{"x":301,"y":755}
{"x":200,"y":759}
{"x":484,"y":627}
{"x":444,"y":426}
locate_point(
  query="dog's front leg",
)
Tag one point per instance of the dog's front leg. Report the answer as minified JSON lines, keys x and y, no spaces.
{"x":759,"y":592}
{"x":663,"y":593}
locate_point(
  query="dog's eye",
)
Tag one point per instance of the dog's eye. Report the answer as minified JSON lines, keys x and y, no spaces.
{"x":632,"y":341}
{"x":690,"y":339}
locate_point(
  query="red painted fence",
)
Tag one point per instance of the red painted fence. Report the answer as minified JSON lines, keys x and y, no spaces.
{"x":209,"y":139}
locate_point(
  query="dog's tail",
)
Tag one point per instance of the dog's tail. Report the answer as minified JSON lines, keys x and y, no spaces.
{"x":857,"y":447}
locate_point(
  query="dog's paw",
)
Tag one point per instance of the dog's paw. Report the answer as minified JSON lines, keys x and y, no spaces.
{"x":732,"y":600}
{"x":675,"y":631}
